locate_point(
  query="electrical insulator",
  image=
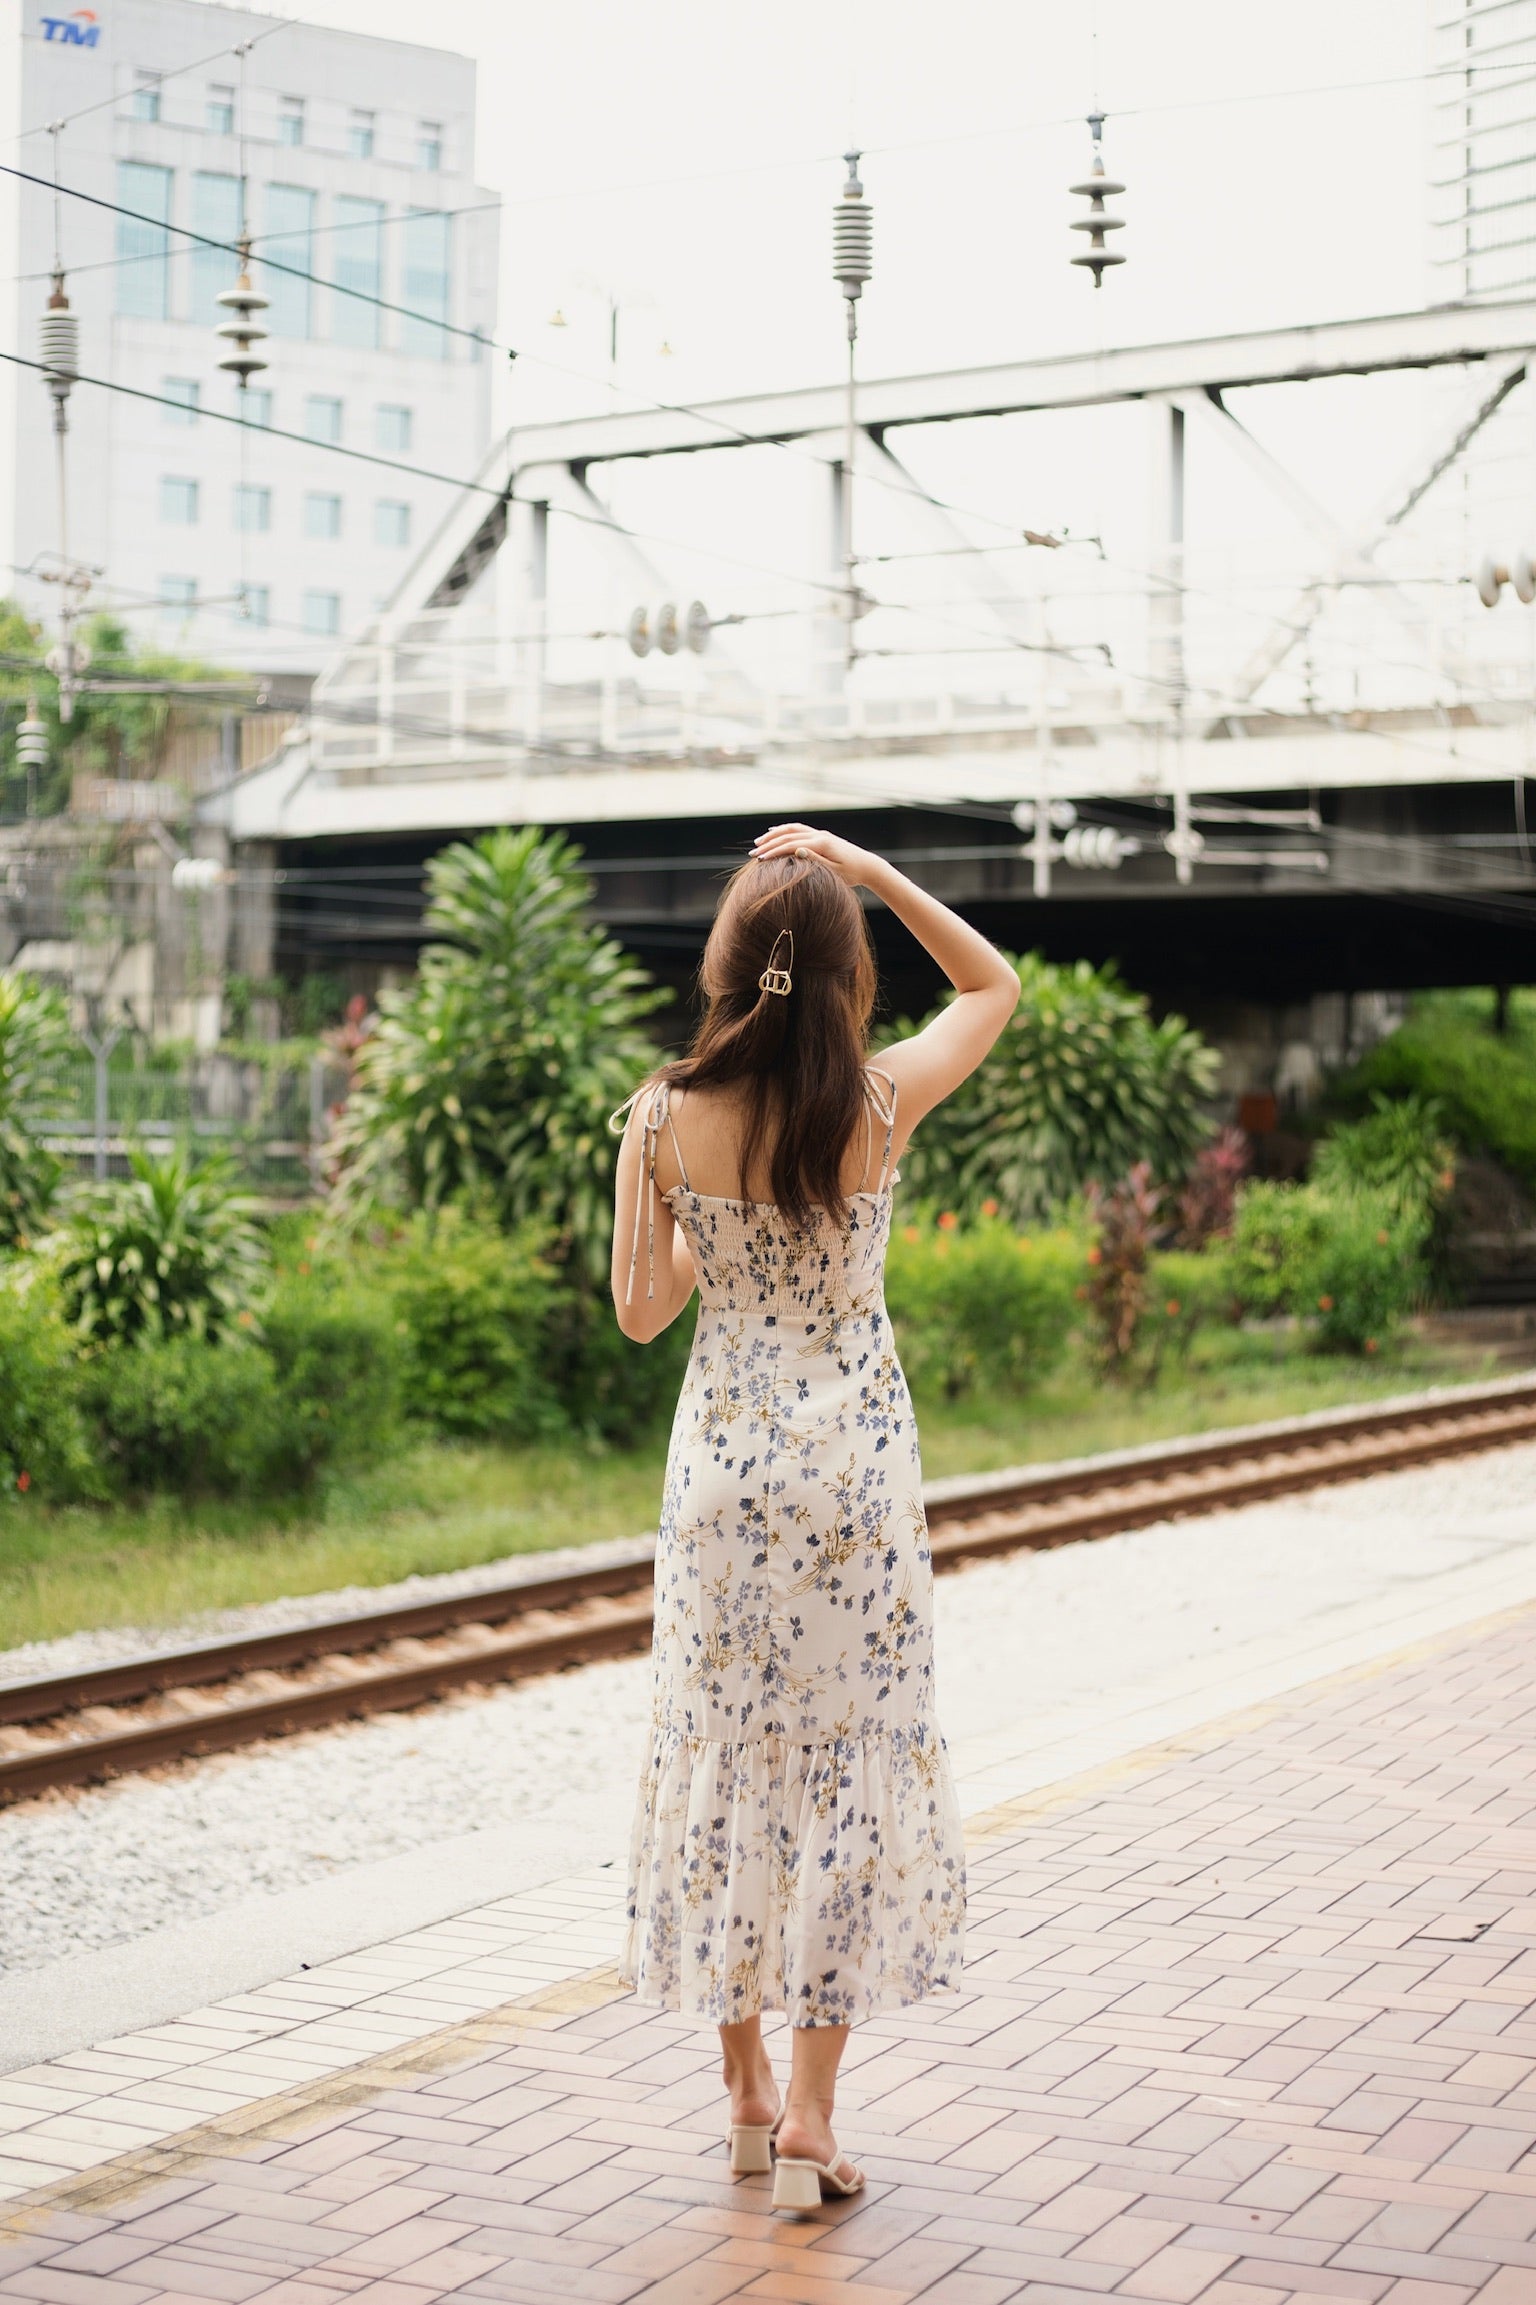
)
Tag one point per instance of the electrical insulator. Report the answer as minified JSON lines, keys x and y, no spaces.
{"x":670,"y":629}
{"x":195,"y":875}
{"x":1493,"y":575}
{"x":58,"y":338}
{"x":697,"y":627}
{"x":32,"y":739}
{"x":1097,"y":848}
{"x":242,"y":331}
{"x":1062,"y":814}
{"x":669,"y":637}
{"x":1096,"y":189}
{"x":638,"y":633}
{"x":853,"y":240}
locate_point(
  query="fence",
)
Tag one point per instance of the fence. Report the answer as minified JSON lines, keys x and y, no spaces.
{"x":272,"y":1119}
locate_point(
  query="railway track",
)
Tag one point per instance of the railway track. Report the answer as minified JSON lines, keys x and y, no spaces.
{"x":145,"y":1711}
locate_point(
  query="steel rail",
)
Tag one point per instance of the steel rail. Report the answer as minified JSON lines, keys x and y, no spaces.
{"x":75,"y":1728}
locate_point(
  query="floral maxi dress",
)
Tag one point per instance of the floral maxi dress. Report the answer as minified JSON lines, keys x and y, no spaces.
{"x":797,"y":1843}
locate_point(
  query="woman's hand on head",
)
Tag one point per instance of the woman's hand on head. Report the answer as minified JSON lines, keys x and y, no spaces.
{"x":849,"y":863}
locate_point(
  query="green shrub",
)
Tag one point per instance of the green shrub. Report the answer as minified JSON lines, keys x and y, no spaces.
{"x":178,"y":1413}
{"x":341,"y":1359}
{"x":1399,"y":1151}
{"x":1350,"y":1263}
{"x":1081,"y":1084}
{"x":44,"y":1449}
{"x":481,"y":1311}
{"x":614,"y":1389}
{"x":173,"y":1249}
{"x":1368,"y":1275}
{"x":1484,"y":1081}
{"x":1186,"y":1290}
{"x":981,"y":1304}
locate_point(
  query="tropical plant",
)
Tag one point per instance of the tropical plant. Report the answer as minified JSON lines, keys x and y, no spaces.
{"x":1208,"y":1197}
{"x":493,"y":1074}
{"x":1400,"y":1150}
{"x":34,"y":1040}
{"x":1081,"y":1084}
{"x":479,"y":1308}
{"x":1125,"y":1225}
{"x":172,"y":1249}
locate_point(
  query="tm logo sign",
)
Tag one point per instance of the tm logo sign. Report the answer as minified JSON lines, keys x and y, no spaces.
{"x":77,"y":30}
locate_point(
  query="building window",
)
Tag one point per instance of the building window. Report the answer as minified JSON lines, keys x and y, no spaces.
{"x":289,"y":241}
{"x":360,"y":136}
{"x":322,"y":418}
{"x":322,"y":613}
{"x":178,"y":501}
{"x":179,"y":592}
{"x":255,"y":603}
{"x":391,"y":524}
{"x":357,"y":264}
{"x":219,"y":112}
{"x":322,"y":514}
{"x":255,"y":404}
{"x":143,"y":243}
{"x":392,"y":430}
{"x":144,"y":102}
{"x":290,"y":120}
{"x":429,"y":145}
{"x":216,"y":215}
{"x":425,"y":285}
{"x":184,"y":391}
{"x":253,"y":507}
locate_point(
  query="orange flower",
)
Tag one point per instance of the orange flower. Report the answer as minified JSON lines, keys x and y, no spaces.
{"x":1171,"y":1307}
{"x":244,"y":1320}
{"x":910,"y":1233}
{"x":948,"y":1222}
{"x":1023,"y":1240}
{"x":303,"y":1264}
{"x":1080,"y":1291}
{"x":1371,"y":1345}
{"x":989,"y":1208}
{"x":23,"y":1482}
{"x":1382,"y":1239}
{"x":1095,"y":1256}
{"x":1447,"y":1179}
{"x":1325,"y":1304}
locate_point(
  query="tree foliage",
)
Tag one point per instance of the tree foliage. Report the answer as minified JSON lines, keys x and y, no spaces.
{"x":490,"y":1078}
{"x":34,"y":1040}
{"x":1082,"y":1085}
{"x":170,"y":1250}
{"x":113,"y":735}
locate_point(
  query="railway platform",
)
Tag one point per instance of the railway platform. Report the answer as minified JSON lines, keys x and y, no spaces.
{"x":1247,"y":2020}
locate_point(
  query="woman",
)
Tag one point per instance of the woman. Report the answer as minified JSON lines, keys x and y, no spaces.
{"x":797,"y":1844}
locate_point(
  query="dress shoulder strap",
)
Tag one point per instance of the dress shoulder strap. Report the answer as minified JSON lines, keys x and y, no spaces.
{"x":656,"y":1114}
{"x":884,"y":1110}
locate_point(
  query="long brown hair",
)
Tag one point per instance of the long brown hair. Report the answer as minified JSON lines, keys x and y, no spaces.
{"x":798,"y":1055}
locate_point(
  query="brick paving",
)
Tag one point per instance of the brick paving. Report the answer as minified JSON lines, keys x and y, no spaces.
{"x":1246,"y":2021}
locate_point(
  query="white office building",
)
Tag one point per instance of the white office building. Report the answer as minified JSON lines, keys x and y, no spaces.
{"x":352,"y":162}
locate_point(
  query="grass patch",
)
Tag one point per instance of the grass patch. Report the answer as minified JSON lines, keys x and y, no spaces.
{"x":451,"y":1507}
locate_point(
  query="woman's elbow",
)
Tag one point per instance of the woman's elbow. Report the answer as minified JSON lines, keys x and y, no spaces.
{"x":637,"y":1322}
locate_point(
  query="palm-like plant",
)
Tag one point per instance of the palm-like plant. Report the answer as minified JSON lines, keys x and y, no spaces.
{"x":34,"y":1041}
{"x":170,"y":1250}
{"x":1082,"y":1085}
{"x":491,"y":1077}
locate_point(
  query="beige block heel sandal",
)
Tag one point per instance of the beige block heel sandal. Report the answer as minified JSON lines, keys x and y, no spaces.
{"x":752,"y":2147}
{"x":802,"y":2185}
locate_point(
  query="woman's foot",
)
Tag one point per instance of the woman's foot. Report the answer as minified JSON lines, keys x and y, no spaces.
{"x":805,"y":2134}
{"x":754,"y":2094}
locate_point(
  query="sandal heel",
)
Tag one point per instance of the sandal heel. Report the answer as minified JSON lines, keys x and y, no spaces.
{"x":796,"y":2185}
{"x":751,"y":2153}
